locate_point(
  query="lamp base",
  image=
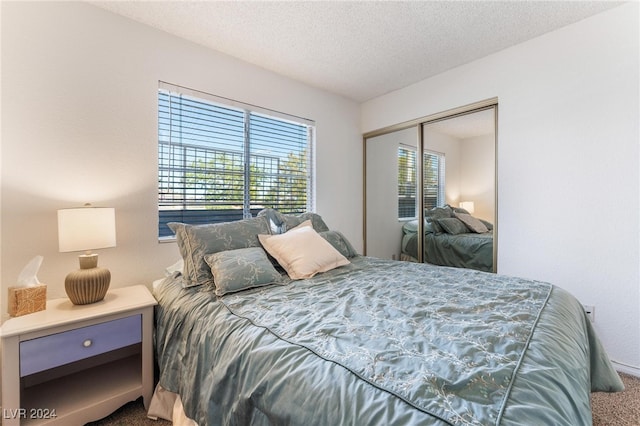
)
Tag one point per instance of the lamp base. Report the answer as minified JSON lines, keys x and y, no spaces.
{"x":85,"y":286}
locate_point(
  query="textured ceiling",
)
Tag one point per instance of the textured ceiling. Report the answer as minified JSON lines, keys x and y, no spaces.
{"x":361,"y":49}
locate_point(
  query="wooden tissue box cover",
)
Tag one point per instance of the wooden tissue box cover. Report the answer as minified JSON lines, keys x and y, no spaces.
{"x":26,"y":300}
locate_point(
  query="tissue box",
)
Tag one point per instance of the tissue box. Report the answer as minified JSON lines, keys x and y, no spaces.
{"x":26,"y":300}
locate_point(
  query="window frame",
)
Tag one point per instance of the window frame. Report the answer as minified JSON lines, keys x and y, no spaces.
{"x":244,"y":143}
{"x":411,"y":165}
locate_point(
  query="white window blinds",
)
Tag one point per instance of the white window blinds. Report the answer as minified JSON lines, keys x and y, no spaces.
{"x":220,"y":160}
{"x":433,"y":181}
{"x":407,"y":185}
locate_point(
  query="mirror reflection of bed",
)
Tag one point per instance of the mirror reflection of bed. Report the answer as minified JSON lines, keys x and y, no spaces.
{"x":452,"y":237}
{"x":458,"y":185}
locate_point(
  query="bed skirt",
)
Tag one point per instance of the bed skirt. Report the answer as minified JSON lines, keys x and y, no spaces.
{"x":168,"y":405}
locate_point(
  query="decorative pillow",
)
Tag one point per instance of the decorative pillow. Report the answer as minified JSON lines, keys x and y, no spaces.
{"x":436,"y":213}
{"x":197,"y":241}
{"x":340,"y":243}
{"x":291,"y":221}
{"x":276,"y":220}
{"x":433,"y":223}
{"x":430,"y":227}
{"x":472,"y":223}
{"x":302,"y":252}
{"x":281,"y":223}
{"x":241,"y":269}
{"x":452,"y":225}
{"x":179,"y":230}
{"x":488,"y":224}
{"x":439,"y":212}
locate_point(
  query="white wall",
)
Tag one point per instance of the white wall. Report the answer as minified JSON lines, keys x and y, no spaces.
{"x":477,"y":174}
{"x":568,"y":161}
{"x":79,"y":115}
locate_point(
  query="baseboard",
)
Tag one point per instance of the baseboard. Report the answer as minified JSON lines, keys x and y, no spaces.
{"x":626,"y":368}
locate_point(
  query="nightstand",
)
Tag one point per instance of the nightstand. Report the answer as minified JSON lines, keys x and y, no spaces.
{"x":72,"y":364}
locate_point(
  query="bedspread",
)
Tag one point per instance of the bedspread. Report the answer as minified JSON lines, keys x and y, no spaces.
{"x":382,"y":342}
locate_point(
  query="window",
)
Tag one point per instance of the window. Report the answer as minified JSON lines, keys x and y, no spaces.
{"x":220,"y":160}
{"x":407,"y":186}
{"x":432,"y":185}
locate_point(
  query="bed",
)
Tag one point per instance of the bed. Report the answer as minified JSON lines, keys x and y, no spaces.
{"x":366,"y":341}
{"x":452,"y":237}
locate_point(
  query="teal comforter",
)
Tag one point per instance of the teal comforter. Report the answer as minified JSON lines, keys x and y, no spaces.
{"x":382,"y":342}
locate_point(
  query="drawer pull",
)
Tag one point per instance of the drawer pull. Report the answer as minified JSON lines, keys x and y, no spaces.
{"x":87,"y":343}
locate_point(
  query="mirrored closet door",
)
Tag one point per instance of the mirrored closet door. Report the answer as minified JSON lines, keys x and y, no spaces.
{"x":449,"y":158}
{"x":391,"y":182}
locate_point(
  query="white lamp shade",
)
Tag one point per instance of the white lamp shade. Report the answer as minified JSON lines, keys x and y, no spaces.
{"x":468,"y":206}
{"x":86,"y":228}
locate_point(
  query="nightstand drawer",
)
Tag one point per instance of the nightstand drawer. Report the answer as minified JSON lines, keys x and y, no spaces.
{"x":63,"y":348}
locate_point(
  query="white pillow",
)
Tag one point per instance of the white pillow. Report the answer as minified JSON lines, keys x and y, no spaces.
{"x":302,"y":252}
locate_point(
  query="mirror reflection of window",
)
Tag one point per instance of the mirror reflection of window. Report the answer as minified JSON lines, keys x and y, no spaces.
{"x":434,"y":179}
{"x":407,"y":174}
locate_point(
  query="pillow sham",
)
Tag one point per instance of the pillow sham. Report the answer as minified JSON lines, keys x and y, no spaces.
{"x":435,"y":226}
{"x":302,"y":252}
{"x":197,"y":241}
{"x":439,"y":212}
{"x":176,"y":267}
{"x":452,"y":225}
{"x":241,"y":269}
{"x":472,"y":223}
{"x":340,"y":243}
{"x":291,"y":221}
{"x":433,"y":215}
{"x":276,"y":221}
{"x":488,"y":224}
{"x":281,"y":223}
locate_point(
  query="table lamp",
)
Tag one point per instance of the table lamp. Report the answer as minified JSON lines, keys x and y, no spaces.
{"x":85,"y":229}
{"x":468,"y":206}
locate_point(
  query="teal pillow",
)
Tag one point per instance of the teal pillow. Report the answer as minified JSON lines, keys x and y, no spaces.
{"x":340,"y":243}
{"x":291,"y":221}
{"x":439,"y":212}
{"x":197,"y":241}
{"x":433,"y":216}
{"x":241,"y":269}
{"x":281,"y":222}
{"x":488,"y":224}
{"x":452,"y":225}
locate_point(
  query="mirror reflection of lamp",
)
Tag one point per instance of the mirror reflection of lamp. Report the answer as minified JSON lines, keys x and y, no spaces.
{"x":85,"y":229}
{"x":468,"y":206}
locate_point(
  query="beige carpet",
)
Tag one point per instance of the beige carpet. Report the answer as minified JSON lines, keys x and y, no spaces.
{"x":620,"y":408}
{"x":609,"y":409}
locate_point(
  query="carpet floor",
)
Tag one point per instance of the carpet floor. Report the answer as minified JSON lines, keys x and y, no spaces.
{"x":620,"y":408}
{"x":609,"y":409}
